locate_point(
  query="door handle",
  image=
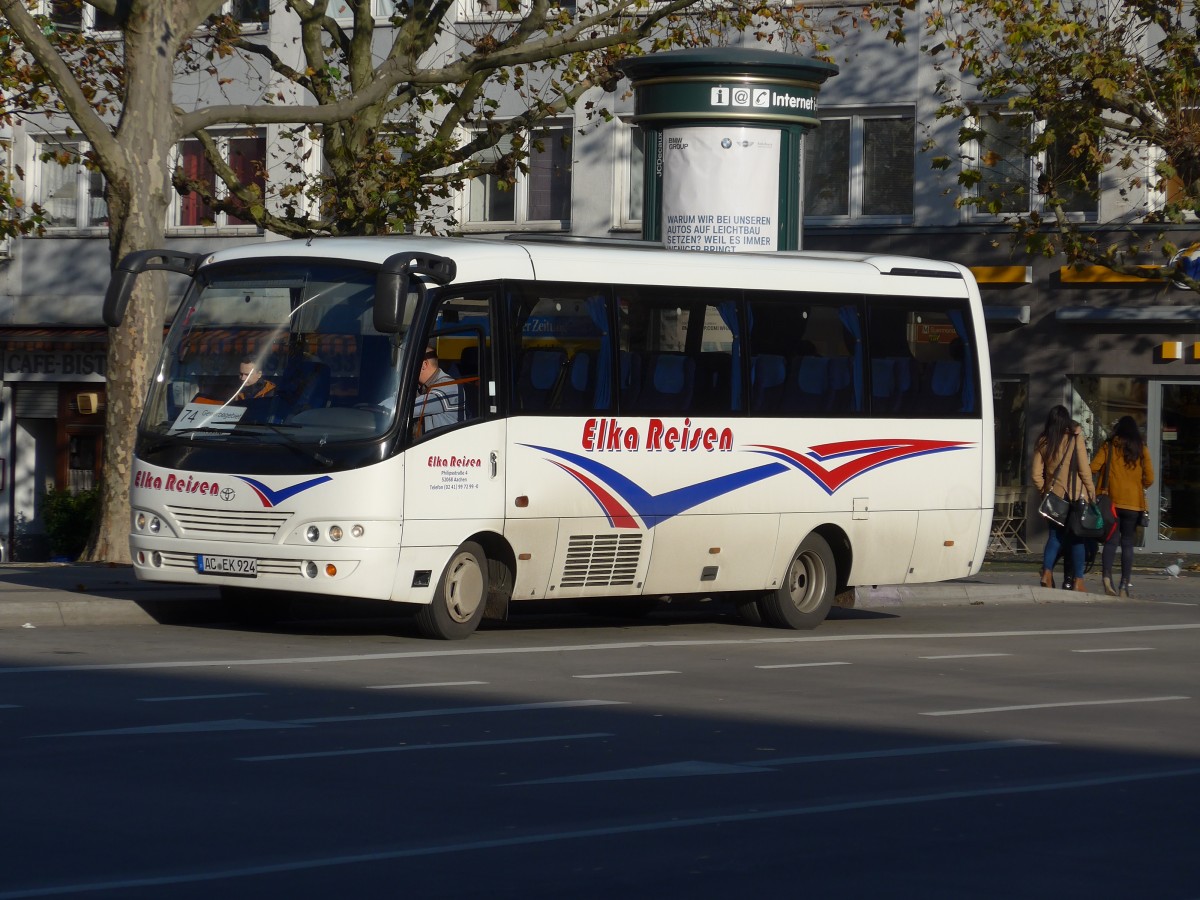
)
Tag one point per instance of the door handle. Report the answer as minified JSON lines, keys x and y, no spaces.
{"x":495,"y":463}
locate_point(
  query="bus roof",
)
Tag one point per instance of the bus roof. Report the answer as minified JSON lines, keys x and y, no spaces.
{"x":480,"y":259}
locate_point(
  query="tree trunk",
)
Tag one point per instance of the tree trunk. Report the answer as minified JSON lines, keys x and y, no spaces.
{"x":139,"y":187}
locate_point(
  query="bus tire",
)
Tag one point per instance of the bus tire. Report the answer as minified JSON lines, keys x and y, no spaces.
{"x":802,"y":602}
{"x":460,"y":597}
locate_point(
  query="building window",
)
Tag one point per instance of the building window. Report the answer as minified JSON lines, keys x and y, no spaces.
{"x":540,"y":195}
{"x":860,"y":167}
{"x":246,"y":156}
{"x":631,"y":155}
{"x":1008,"y":177}
{"x":71,"y":194}
{"x":73,"y":15}
{"x":248,"y":12}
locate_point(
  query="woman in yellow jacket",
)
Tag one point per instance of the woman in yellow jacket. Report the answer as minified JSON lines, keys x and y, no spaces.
{"x":1130,"y":472}
{"x":1052,"y":471}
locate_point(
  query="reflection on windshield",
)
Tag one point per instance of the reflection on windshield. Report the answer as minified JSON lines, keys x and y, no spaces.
{"x":288,"y":352}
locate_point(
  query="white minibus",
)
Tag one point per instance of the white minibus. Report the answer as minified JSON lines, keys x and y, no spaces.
{"x":623,"y":423}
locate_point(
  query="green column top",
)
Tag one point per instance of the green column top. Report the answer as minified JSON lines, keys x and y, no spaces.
{"x":727,"y":84}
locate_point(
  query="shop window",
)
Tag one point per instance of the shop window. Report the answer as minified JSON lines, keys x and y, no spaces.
{"x":1010,"y":399}
{"x":860,"y":167}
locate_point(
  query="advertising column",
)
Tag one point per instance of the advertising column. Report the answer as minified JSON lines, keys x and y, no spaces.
{"x":724,"y":130}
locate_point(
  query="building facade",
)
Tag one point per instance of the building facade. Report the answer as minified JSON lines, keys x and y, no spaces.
{"x":1103,"y":345}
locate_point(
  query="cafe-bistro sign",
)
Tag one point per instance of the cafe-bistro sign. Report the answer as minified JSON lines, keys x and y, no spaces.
{"x":54,"y":365}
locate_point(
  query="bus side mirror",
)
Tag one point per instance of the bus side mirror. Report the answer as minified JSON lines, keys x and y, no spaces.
{"x":391,"y":293}
{"x":116,"y":298}
{"x":393,"y":283}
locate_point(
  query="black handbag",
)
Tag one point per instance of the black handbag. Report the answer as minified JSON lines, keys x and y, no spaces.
{"x":1085,"y":520}
{"x":1052,"y":506}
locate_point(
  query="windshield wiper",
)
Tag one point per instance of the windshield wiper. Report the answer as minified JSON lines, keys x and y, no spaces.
{"x":243,"y":431}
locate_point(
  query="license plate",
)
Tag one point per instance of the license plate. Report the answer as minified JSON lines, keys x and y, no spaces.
{"x":243,"y":566}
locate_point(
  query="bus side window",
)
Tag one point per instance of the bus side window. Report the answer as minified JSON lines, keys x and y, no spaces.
{"x":812,"y":342}
{"x":561,"y":349}
{"x":921,"y":358}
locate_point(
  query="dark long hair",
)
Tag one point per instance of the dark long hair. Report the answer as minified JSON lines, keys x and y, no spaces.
{"x":1058,"y":426}
{"x":1129,"y":437}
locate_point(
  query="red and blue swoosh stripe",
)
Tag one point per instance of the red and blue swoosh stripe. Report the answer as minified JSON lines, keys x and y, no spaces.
{"x":862,"y":457}
{"x":272,"y":498}
{"x":624,"y":502}
{"x":626,"y":499}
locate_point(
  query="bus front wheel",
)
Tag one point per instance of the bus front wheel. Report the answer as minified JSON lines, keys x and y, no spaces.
{"x":802,"y":602}
{"x":460,"y":598}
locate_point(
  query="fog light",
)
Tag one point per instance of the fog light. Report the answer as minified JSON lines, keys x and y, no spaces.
{"x":140,"y":522}
{"x":330,"y":569}
{"x":357,"y":531}
{"x":313,"y":533}
{"x":156,"y":559}
{"x":155,"y":524}
{"x":335,"y":532}
{"x":310,"y":569}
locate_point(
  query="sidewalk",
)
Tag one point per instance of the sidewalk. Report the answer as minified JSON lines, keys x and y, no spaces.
{"x":43,"y":595}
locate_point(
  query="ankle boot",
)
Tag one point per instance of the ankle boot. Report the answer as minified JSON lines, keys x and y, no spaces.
{"x":1108,"y":586}
{"x":1078,"y":586}
{"x":1047,"y":578}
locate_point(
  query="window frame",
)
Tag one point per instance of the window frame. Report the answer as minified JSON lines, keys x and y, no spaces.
{"x":627,"y":164}
{"x":857,"y":166}
{"x":972,"y":153}
{"x":83,"y":186}
{"x":521,"y":190}
{"x":221,"y":220}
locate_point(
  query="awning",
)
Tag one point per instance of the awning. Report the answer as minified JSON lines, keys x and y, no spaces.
{"x":50,"y":337}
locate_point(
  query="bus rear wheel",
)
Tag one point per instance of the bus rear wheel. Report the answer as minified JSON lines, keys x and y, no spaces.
{"x":460,"y":597}
{"x":802,"y":601}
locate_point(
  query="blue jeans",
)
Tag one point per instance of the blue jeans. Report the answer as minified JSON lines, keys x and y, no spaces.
{"x":1072,"y":548}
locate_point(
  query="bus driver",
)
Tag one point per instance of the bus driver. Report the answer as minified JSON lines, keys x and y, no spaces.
{"x":440,"y":399}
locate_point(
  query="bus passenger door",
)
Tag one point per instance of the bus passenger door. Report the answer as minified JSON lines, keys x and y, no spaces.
{"x":455,"y":466}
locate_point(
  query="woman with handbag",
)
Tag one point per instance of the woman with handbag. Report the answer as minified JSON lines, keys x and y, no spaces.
{"x":1061,"y":472}
{"x":1124,"y":461}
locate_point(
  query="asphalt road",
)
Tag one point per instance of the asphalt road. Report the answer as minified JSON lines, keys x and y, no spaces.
{"x":968,"y":751}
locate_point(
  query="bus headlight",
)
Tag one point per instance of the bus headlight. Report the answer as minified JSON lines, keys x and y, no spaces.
{"x":140,"y":522}
{"x":357,"y":531}
{"x":155,"y":525}
{"x":312,"y":534}
{"x":335,"y":532}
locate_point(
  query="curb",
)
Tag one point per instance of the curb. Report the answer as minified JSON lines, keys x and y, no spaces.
{"x":885,"y":596}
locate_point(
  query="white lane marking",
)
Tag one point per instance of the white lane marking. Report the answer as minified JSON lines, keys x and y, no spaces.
{"x":251,"y":724}
{"x":460,"y":711}
{"x":408,"y":851}
{"x":9,"y":706}
{"x":964,"y":656}
{"x":685,"y":768}
{"x":1113,"y":650}
{"x":580,"y":648}
{"x":403,"y":748}
{"x":182,"y":728}
{"x":628,"y":674}
{"x":691,"y":767}
{"x":992,"y":709}
{"x":803,"y":665}
{"x":200,"y":697}
{"x":430,"y":684}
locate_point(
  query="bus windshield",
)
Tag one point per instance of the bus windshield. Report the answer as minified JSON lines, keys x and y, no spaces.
{"x":286,"y":353}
